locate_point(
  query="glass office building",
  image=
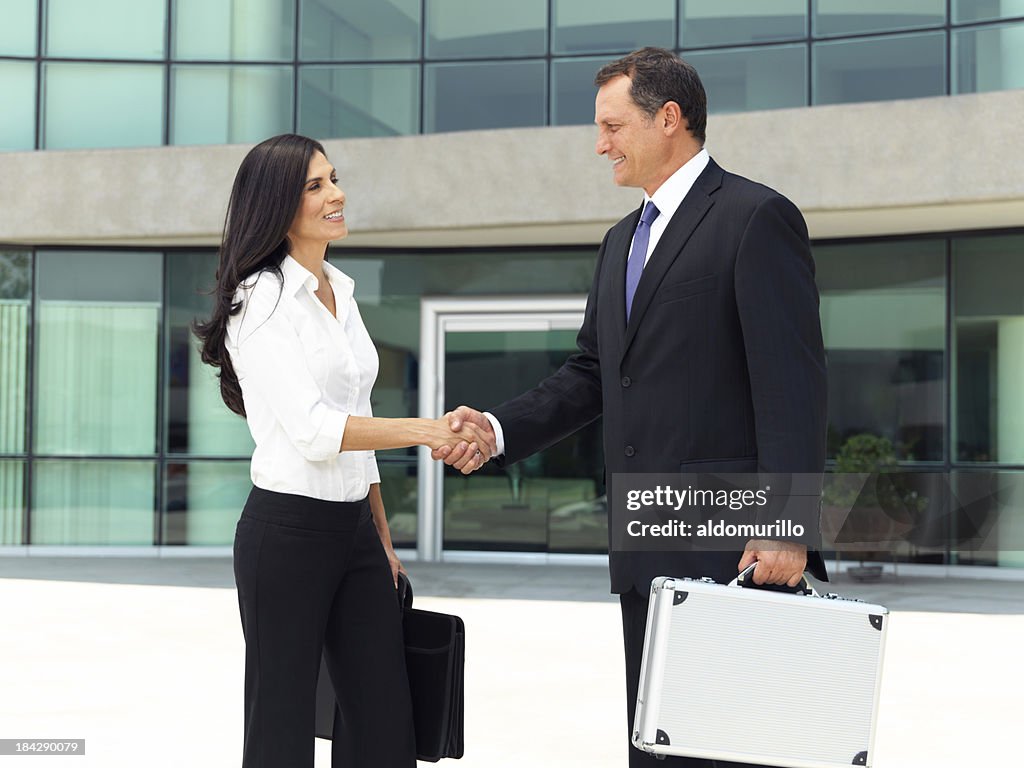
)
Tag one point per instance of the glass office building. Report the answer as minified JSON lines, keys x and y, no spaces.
{"x":112,"y":432}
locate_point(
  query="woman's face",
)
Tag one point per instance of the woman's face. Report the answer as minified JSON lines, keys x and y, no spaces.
{"x":319,"y":217}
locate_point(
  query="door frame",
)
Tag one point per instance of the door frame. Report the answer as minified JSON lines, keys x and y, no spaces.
{"x":438,"y":316}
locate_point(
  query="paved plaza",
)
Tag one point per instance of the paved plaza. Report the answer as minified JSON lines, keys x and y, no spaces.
{"x":142,"y":657}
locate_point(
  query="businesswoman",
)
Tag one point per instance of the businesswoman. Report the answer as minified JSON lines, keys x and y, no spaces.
{"x":313,"y":559}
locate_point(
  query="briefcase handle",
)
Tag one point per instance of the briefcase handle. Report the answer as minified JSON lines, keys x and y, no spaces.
{"x":404,"y":591}
{"x":745,"y":578}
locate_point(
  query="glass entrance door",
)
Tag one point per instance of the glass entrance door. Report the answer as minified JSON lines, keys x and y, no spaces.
{"x":552,"y":502}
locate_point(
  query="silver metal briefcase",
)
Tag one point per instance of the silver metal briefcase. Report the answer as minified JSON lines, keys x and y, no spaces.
{"x":757,"y":676}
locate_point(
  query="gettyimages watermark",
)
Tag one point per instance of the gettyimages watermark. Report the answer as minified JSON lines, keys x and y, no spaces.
{"x":880,"y":513}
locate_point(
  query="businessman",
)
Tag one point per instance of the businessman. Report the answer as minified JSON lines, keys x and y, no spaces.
{"x":700,"y":346}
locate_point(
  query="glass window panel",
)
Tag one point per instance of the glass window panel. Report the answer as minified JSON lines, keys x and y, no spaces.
{"x":753,"y":78}
{"x":883,"y":311}
{"x":986,"y":10}
{"x":229,"y":105}
{"x":102,"y":105}
{"x":106,"y":29}
{"x":399,"y":491}
{"x":590,"y":26}
{"x":851,"y":17}
{"x":573,"y":90}
{"x":343,"y":102}
{"x":360,"y":30}
{"x":879,"y":69}
{"x":198,"y":422}
{"x":389,"y":289}
{"x":989,"y":362}
{"x":15,"y":282}
{"x":464,"y":97}
{"x":96,"y":355}
{"x":548,"y":502}
{"x":92,"y":502}
{"x":488,"y":28}
{"x":12,"y":502}
{"x":988,"y":59}
{"x":18,"y":86}
{"x":204,"y":501}
{"x":734,"y":22}
{"x":19,"y":33}
{"x":234,"y":30}
{"x":989,"y":524}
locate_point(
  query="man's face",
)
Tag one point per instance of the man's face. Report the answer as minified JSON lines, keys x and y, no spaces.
{"x":635,"y":144}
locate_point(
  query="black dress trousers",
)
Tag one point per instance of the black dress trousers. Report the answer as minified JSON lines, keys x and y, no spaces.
{"x":313,"y":579}
{"x":634,"y":626}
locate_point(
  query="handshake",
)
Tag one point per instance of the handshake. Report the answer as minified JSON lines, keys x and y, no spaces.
{"x":464,"y":439}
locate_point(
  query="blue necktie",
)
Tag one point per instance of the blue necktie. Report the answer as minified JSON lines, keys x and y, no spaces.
{"x":638,"y":253}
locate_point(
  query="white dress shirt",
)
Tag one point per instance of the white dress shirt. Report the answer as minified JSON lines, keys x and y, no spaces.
{"x":667,"y":199}
{"x":303,"y":372}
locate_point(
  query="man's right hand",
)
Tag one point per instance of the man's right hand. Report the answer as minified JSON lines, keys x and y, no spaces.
{"x":462,"y":457}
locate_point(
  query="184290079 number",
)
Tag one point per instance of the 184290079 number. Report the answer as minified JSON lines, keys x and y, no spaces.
{"x":42,"y":746}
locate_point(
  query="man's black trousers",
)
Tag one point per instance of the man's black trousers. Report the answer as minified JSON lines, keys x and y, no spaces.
{"x":313,"y":578}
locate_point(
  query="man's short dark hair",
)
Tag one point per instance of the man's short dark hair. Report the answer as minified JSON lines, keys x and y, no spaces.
{"x":659,"y":76}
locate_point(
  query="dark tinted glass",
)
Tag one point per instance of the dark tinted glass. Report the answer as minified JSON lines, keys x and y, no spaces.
{"x":842,"y":17}
{"x":203,"y":501}
{"x":732,"y":22}
{"x":504,"y":95}
{"x":745,"y":79}
{"x":197,"y":421}
{"x":229,"y":105}
{"x":96,"y":334}
{"x":988,"y":58}
{"x":92,"y":502}
{"x":573,"y":90}
{"x":883,"y":316}
{"x":350,"y":101}
{"x":359,"y":30}
{"x":985,"y":10}
{"x":12,"y":502}
{"x":233,"y":30}
{"x":15,"y":282}
{"x":989,"y":364}
{"x":102,"y":105}
{"x":18,"y":86}
{"x":18,"y":31}
{"x":106,"y":29}
{"x":592,"y":26}
{"x":459,"y":29}
{"x":879,"y":69}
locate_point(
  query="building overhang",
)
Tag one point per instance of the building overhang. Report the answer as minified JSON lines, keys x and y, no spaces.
{"x":881,"y":168}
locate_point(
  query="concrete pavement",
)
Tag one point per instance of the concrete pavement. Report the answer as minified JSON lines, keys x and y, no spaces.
{"x":143,"y":659}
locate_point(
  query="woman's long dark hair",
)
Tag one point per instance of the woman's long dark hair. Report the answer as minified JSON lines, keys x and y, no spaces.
{"x":265,"y":196}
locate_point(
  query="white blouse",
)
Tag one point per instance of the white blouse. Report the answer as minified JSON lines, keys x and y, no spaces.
{"x":303,"y":372}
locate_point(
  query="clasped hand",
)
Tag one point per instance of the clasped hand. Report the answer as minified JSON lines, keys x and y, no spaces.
{"x":474,"y":443}
{"x":463,"y":439}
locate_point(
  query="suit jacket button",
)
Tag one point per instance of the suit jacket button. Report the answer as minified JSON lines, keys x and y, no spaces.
{"x":626,"y":381}
{"x":629,"y":450}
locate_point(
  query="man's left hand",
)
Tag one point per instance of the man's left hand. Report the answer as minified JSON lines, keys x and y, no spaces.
{"x":778,"y":562}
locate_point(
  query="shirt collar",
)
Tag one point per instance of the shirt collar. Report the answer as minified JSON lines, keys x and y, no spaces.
{"x":296,"y":276}
{"x":669,"y":196}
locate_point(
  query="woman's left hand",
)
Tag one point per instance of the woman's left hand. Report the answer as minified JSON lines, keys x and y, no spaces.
{"x":396,"y":565}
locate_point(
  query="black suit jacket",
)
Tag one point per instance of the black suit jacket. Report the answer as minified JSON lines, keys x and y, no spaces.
{"x":721,"y":367}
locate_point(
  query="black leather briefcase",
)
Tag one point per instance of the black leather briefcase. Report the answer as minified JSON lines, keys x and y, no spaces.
{"x":435,"y":654}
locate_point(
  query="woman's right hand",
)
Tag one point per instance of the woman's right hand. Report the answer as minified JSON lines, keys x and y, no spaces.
{"x":438,"y":434}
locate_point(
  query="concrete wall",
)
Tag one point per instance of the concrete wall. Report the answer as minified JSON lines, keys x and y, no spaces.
{"x":862,"y":169}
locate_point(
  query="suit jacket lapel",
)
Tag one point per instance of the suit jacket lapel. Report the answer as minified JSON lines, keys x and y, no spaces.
{"x":618,"y":249}
{"x":689,"y":214}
